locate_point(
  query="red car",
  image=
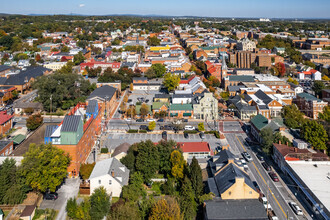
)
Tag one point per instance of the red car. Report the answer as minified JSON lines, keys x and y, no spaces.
{"x":273,"y":176}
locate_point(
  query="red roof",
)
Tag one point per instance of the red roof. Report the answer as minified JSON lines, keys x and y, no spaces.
{"x":194,"y":147}
{"x":4,"y":117}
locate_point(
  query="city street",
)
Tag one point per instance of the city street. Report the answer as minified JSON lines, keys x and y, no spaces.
{"x":277,"y":194}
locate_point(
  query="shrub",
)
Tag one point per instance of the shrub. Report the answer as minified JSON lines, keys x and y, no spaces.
{"x":191,"y":132}
{"x":104,"y":150}
{"x":132,"y":131}
{"x":142,"y":131}
{"x":216,"y":133}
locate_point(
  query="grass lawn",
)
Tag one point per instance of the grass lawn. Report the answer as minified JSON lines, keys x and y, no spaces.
{"x":6,"y":212}
{"x":41,"y":214}
{"x":156,"y":188}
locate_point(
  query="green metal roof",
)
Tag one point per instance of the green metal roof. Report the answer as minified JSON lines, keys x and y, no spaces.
{"x":211,"y":48}
{"x":308,"y":97}
{"x":181,"y":107}
{"x":241,"y":78}
{"x":157,"y":105}
{"x":259,"y":121}
{"x":19,"y":139}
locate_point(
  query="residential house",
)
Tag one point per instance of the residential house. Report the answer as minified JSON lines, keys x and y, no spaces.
{"x":6,"y":93}
{"x":206,"y":107}
{"x":120,"y":151}
{"x":182,"y":98}
{"x":310,"y":105}
{"x":243,"y":110}
{"x":296,"y":88}
{"x":260,"y":122}
{"x":21,"y":106}
{"x":162,"y":97}
{"x":181,"y":110}
{"x":248,"y":209}
{"x":160,"y":107}
{"x":6,"y":147}
{"x":142,"y":83}
{"x":200,"y":150}
{"x":278,"y":50}
{"x":111,"y":174}
{"x":6,"y":122}
{"x":311,"y":74}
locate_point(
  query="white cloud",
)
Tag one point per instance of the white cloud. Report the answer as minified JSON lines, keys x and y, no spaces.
{"x":81,"y":5}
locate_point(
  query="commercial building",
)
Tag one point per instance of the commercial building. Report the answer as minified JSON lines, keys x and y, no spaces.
{"x":310,"y":105}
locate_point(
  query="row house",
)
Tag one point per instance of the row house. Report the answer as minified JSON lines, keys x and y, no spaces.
{"x":104,"y":65}
{"x":142,"y":83}
{"x":310,"y":105}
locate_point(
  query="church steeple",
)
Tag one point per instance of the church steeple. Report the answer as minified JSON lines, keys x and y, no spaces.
{"x":224,"y":68}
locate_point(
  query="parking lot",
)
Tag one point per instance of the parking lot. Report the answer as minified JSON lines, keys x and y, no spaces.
{"x":115,"y":139}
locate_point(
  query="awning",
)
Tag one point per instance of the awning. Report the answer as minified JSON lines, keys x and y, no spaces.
{"x":174,"y":114}
{"x":186,"y":114}
{"x":19,"y":139}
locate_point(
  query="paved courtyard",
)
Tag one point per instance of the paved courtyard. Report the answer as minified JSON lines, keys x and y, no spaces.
{"x":231,"y":126}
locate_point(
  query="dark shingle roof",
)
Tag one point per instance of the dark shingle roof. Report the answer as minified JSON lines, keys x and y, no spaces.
{"x":21,"y":77}
{"x":3,"y":144}
{"x":71,"y":123}
{"x":241,"y":78}
{"x":308,"y":97}
{"x":123,"y":148}
{"x":102,"y":92}
{"x":235,"y":209}
{"x":50,"y":130}
{"x":263,"y":96}
{"x":226,"y":177}
{"x":4,"y":67}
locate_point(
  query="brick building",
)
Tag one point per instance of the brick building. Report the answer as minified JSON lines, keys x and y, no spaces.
{"x":6,"y":147}
{"x":264,"y":60}
{"x":310,"y":105}
{"x":242,"y":59}
{"x":6,"y":122}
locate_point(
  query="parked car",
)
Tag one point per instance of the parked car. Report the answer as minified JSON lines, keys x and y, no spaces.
{"x":256,"y":186}
{"x":266,"y":166}
{"x":128,"y":119}
{"x":150,"y":119}
{"x":189,"y":128}
{"x":51,"y":196}
{"x":129,"y":100}
{"x":164,"y":135}
{"x":186,"y":135}
{"x":140,"y":120}
{"x":266,"y":204}
{"x":260,"y":157}
{"x":185,"y":120}
{"x":160,"y":120}
{"x":247,"y":156}
{"x":245,"y":166}
{"x":273,"y":176}
{"x":166,"y":127}
{"x":147,"y":100}
{"x":295,"y":208}
{"x":202,"y":135}
{"x":143,"y":127}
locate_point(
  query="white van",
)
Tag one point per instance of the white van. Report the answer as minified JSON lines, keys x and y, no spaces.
{"x":189,"y":128}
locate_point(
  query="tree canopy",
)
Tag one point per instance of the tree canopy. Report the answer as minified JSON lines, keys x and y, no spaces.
{"x":293,"y":118}
{"x":315,"y":134}
{"x":44,"y":167}
{"x":171,"y":81}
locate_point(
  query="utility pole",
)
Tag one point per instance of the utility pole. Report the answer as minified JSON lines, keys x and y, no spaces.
{"x":267,"y":197}
{"x":51,"y":98}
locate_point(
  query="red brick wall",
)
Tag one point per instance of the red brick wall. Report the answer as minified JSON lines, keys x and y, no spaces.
{"x":4,"y":128}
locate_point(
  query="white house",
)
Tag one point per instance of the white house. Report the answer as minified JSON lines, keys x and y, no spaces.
{"x":182,"y":98}
{"x":111,"y":174}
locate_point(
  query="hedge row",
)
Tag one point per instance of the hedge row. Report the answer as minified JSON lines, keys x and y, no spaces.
{"x":216,"y":133}
{"x":191,"y":132}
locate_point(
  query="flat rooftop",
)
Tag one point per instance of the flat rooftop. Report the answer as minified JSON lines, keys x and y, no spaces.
{"x":317,"y":179}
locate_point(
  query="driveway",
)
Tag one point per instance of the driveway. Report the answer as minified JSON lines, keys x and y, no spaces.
{"x":68,"y":190}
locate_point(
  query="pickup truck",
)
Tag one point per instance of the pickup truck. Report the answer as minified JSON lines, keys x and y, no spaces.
{"x":272,"y":216}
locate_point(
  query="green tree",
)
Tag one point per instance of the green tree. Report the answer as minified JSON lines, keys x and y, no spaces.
{"x":78,"y":58}
{"x":147,"y":159}
{"x":267,"y":137}
{"x":315,"y":134}
{"x":318,"y":87}
{"x":196,"y":177}
{"x":201,"y":126}
{"x":86,"y":170}
{"x":144,"y":110}
{"x":158,"y":69}
{"x":83,"y":210}
{"x":164,"y":149}
{"x":71,"y":208}
{"x":325,"y":115}
{"x":134,"y":189}
{"x":188,"y":205}
{"x":6,"y":41}
{"x":129,"y":159}
{"x":100,"y":203}
{"x":44,"y":167}
{"x":165,"y":208}
{"x":171,"y":81}
{"x":152,"y":125}
{"x":34,"y":121}
{"x":153,"y":41}
{"x":65,"y":49}
{"x":280,"y":138}
{"x":169,"y":187}
{"x":310,"y":64}
{"x":293,"y":118}
{"x":123,"y":211}
{"x":178,"y":164}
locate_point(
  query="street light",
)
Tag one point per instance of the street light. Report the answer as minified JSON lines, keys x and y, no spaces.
{"x":51,"y":98}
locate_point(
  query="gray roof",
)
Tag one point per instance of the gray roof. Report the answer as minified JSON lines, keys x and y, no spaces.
{"x":220,"y":159}
{"x":91,"y":106}
{"x":102,"y":92}
{"x":122,"y":148}
{"x":50,"y":130}
{"x":4,"y":67}
{"x":241,"y":78}
{"x":182,"y":96}
{"x":105,"y":167}
{"x":26,"y":75}
{"x":235,"y":209}
{"x":263,"y":96}
{"x":162,"y":95}
{"x":4,"y":143}
{"x":71,"y":123}
{"x":226,"y":177}
{"x":235,"y":88}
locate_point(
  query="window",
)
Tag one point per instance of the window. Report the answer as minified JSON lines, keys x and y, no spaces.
{"x":250,"y":192}
{"x":229,"y":193}
{"x":99,"y":181}
{"x":110,"y":182}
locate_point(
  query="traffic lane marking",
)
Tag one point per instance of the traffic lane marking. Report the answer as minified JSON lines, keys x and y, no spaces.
{"x":265,"y":182}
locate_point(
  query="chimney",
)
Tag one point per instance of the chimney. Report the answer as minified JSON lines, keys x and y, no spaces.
{"x":287,"y":143}
{"x":112,"y":173}
{"x":230,"y":160}
{"x":279,"y":142}
{"x":295,"y":149}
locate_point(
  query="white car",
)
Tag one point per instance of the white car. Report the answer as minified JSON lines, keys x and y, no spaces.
{"x":189,"y":128}
{"x":150,"y":119}
{"x":263,"y":200}
{"x":295,"y":208}
{"x":128,"y":119}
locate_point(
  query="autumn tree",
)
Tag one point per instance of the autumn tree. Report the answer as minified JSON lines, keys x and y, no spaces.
{"x":165,"y":208}
{"x":201,"y":126}
{"x":122,"y":210}
{"x":158,"y":69}
{"x":178,"y":164}
{"x":144,"y":110}
{"x":130,"y":111}
{"x":279,"y":69}
{"x":44,"y":167}
{"x":152,"y":125}
{"x":34,"y":121}
{"x":171,"y":81}
{"x":86,"y":170}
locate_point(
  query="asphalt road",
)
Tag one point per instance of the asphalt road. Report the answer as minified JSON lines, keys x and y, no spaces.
{"x":278,"y":196}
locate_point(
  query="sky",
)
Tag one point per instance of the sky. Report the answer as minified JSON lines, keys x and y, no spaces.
{"x":203,"y":8}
